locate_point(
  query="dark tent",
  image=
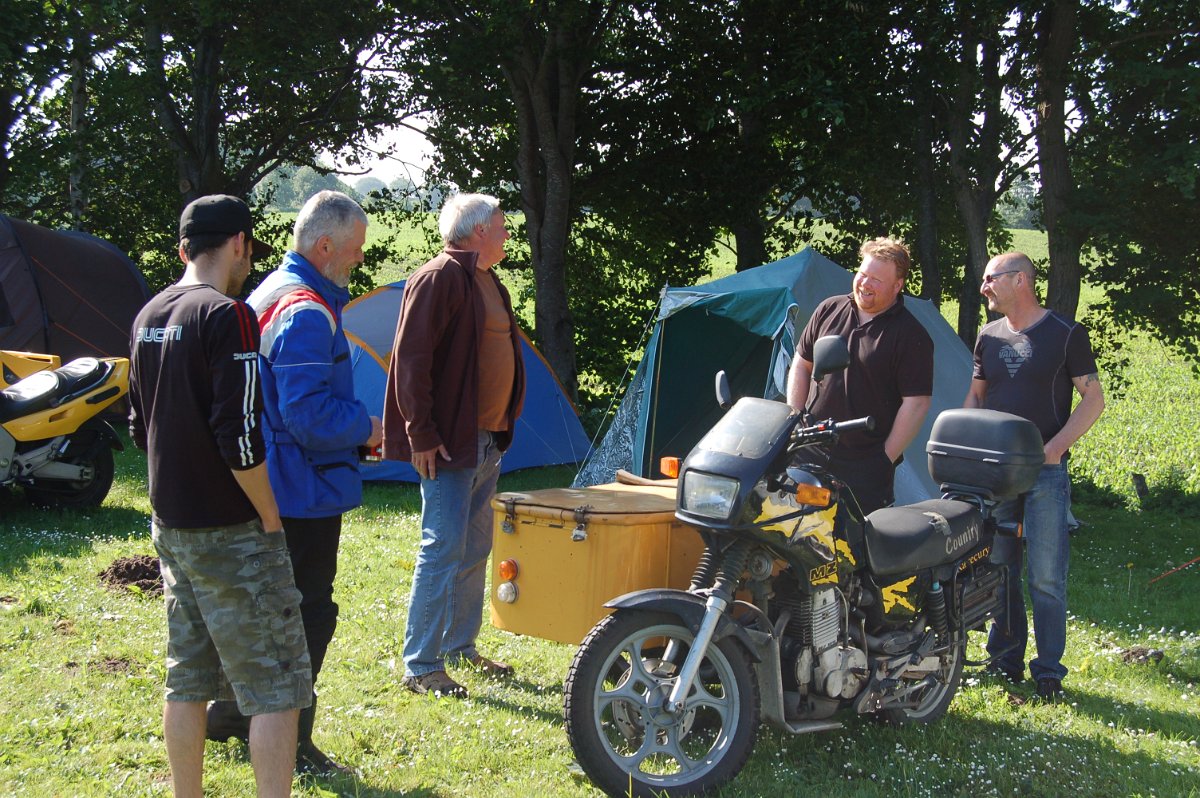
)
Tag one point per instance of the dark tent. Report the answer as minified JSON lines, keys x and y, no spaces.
{"x":65,"y":293}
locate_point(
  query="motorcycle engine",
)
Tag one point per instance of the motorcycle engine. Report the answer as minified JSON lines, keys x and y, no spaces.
{"x":825,"y":665}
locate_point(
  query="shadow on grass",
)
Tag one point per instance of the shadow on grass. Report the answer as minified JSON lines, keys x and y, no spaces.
{"x":966,"y":756}
{"x":1132,"y":715}
{"x":29,"y":532}
{"x":527,"y":710}
{"x":1168,"y":495}
{"x":337,"y":784}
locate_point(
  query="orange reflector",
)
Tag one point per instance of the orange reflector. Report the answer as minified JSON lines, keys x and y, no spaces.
{"x":669,"y":466}
{"x":812,"y":494}
{"x":508,"y":570}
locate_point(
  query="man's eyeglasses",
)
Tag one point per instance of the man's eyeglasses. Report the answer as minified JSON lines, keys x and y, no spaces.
{"x":988,"y":279}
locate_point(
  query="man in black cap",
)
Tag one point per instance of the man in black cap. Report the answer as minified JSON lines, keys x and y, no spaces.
{"x":233,"y":610}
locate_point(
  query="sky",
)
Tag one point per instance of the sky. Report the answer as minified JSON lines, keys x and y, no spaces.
{"x":410,"y":158}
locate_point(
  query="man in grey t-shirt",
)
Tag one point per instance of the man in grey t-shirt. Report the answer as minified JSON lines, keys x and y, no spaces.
{"x":1028,"y":363}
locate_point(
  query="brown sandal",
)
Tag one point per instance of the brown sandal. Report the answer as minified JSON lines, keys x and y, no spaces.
{"x":437,"y":683}
{"x":489,"y":667}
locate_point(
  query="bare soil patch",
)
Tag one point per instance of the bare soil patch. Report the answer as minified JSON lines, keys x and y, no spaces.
{"x":140,"y":571}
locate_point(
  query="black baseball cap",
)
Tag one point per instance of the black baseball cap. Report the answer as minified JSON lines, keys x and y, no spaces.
{"x":220,"y":214}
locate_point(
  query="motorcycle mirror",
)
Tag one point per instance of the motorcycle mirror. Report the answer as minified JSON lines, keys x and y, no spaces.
{"x":830,"y":354}
{"x":724,"y":394}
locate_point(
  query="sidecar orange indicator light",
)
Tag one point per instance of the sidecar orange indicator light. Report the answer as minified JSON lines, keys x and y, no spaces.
{"x":509,"y":570}
{"x":813,"y":494}
{"x":669,"y":466}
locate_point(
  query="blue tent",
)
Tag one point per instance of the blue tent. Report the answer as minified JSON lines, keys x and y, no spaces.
{"x":548,"y":431}
{"x":747,"y":325}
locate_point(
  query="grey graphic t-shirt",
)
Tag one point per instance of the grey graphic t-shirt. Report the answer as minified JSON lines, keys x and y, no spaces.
{"x":1029,"y":372}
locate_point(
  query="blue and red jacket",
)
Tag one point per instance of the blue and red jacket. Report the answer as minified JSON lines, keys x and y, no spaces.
{"x":312,"y":423}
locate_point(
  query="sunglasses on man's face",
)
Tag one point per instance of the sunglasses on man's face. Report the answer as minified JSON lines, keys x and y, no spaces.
{"x":988,"y":279}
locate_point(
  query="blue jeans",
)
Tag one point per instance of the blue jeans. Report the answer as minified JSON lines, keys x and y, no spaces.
{"x":446,"y":607}
{"x":1047,"y":549}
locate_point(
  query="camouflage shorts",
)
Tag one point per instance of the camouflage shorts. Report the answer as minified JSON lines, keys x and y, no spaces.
{"x":233,"y":618}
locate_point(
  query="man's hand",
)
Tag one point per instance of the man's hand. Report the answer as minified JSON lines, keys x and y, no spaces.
{"x":426,"y":462}
{"x":376,"y":433}
{"x":1053,"y":453}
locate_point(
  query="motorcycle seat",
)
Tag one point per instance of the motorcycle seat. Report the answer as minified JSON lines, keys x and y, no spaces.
{"x":904,"y":540}
{"x":46,"y":389}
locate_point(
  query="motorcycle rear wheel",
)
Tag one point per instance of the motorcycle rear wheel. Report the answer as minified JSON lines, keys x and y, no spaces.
{"x":80,"y":493}
{"x":934,"y":700}
{"x":615,"y":689}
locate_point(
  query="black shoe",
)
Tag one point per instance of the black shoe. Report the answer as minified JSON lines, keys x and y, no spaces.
{"x":996,"y":671}
{"x":1050,"y":689}
{"x":310,"y":759}
{"x":226,"y":723}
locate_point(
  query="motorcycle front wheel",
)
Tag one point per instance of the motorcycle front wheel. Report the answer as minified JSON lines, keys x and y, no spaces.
{"x":624,"y":739}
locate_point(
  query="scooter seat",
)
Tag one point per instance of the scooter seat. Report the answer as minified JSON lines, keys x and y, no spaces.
{"x":904,"y":540}
{"x":46,"y":389}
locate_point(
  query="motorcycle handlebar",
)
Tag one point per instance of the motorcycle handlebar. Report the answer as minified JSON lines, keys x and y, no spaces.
{"x":829,"y":429}
{"x":865,"y":423}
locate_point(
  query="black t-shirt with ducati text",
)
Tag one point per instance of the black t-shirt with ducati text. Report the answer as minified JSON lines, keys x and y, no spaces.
{"x":196,"y":405}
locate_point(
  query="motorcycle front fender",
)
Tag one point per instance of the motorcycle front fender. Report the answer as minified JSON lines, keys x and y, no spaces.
{"x":688,"y":608}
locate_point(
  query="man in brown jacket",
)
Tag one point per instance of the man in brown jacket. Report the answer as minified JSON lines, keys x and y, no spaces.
{"x":456,"y":384}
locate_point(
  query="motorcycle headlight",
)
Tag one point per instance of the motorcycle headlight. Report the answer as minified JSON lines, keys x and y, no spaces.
{"x":709,"y":495}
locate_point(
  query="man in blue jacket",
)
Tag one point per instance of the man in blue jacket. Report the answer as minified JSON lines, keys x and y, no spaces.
{"x":312,"y":422}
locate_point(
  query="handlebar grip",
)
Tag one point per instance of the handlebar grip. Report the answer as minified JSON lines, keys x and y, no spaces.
{"x":865,"y":423}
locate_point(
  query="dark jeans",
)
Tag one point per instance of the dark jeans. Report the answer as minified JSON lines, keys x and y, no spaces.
{"x":313,"y":545}
{"x":1047,"y":555}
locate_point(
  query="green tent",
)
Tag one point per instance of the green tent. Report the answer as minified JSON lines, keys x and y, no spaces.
{"x":747,"y":324}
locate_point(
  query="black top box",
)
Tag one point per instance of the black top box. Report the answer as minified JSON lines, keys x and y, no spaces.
{"x":985,"y":452}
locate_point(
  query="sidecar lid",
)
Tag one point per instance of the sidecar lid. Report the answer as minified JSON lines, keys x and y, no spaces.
{"x":614,"y":503}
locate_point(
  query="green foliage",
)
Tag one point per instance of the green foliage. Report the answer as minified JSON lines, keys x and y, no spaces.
{"x":1019,"y":207}
{"x":1138,"y":154}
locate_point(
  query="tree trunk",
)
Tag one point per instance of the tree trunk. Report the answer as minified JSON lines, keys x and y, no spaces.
{"x":750,"y":237}
{"x":196,"y":142}
{"x":975,"y":120}
{"x":1056,"y":35}
{"x":545,"y":88}
{"x":975,"y":224}
{"x":926,"y":196}
{"x":77,"y":177}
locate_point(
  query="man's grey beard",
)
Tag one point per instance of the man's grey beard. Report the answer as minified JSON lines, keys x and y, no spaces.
{"x":339,"y":282}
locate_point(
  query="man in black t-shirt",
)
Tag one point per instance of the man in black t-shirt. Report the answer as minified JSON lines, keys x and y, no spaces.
{"x":1028,"y":363}
{"x":890,"y":376}
{"x":233,"y":611}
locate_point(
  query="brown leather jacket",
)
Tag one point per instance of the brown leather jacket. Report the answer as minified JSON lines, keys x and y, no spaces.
{"x":432,"y":387}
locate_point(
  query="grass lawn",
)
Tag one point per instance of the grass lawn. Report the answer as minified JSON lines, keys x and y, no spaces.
{"x":81,"y":668}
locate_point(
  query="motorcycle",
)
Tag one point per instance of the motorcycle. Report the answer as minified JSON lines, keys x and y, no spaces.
{"x":53,"y":441}
{"x":800,"y":609}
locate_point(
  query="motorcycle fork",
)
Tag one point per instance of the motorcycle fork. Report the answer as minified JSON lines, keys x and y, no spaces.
{"x":730,"y":571}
